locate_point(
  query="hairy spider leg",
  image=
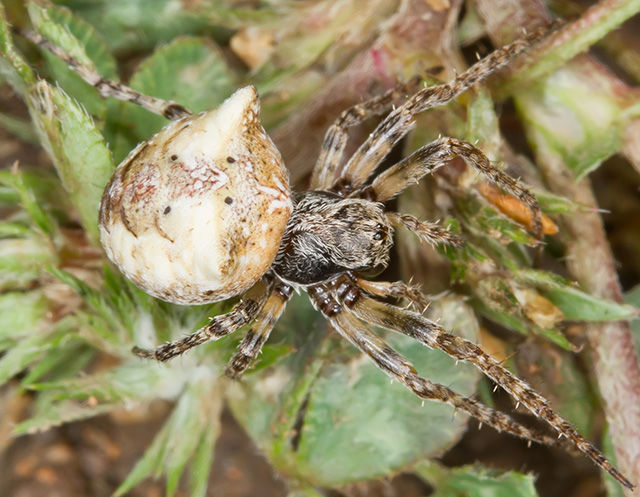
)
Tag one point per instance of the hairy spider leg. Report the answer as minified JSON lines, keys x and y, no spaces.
{"x":220,"y":326}
{"x":258,"y":335}
{"x":428,"y":232}
{"x":400,"y":121}
{"x":437,"y":154}
{"x":336,"y":137}
{"x":395,"y":289}
{"x":107,"y":88}
{"x":397,"y":367}
{"x":434,"y":336}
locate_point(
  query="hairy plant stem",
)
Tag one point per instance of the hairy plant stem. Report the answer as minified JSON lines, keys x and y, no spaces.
{"x":589,"y":256}
{"x":576,"y":37}
{"x":591,"y":262}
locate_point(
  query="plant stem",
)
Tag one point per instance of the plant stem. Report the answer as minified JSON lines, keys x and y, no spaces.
{"x":589,"y":256}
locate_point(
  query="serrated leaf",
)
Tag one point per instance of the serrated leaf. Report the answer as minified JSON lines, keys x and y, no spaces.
{"x":190,"y":71}
{"x":193,"y":419}
{"x":80,"y":40}
{"x":33,"y":207}
{"x":77,"y":149}
{"x":22,"y":260}
{"x":60,"y":362}
{"x":26,"y":351}
{"x":142,"y":24}
{"x":22,"y":313}
{"x":50,"y":414}
{"x":72,"y":399}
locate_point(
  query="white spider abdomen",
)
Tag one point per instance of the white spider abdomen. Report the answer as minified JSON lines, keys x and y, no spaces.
{"x":196,"y":213}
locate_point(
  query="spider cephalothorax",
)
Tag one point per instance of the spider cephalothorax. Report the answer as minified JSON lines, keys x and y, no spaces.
{"x":203,"y":211}
{"x":328,"y":235}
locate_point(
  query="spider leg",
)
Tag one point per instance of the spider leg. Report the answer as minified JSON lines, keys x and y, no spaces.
{"x":259,"y":333}
{"x":398,"y":123}
{"x":336,"y":137}
{"x":396,"y":289}
{"x":433,"y":336}
{"x":432,"y":157}
{"x":244,"y":312}
{"x":398,"y":368}
{"x":107,"y":88}
{"x":428,"y":232}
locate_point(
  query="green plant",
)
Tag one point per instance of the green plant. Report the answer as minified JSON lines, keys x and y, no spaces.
{"x":315,"y":428}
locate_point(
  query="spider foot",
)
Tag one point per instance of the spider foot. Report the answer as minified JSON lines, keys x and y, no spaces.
{"x":144,"y":353}
{"x":162,"y":353}
{"x":237,"y":365}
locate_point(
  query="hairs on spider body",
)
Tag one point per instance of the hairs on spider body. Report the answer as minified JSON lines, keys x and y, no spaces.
{"x":328,"y":235}
{"x":202,"y":212}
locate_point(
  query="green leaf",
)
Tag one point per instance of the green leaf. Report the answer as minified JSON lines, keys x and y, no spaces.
{"x":581,"y":306}
{"x":190,"y":71}
{"x":33,"y":207}
{"x":556,"y":115}
{"x":270,"y":355}
{"x":77,"y":149}
{"x":142,"y":24}
{"x":13,"y":230}
{"x":26,"y":351}
{"x":42,"y":184}
{"x":22,"y":260}
{"x":203,"y":458}
{"x":13,"y":67}
{"x":82,"y":42}
{"x":72,"y":399}
{"x":557,"y":204}
{"x":473,"y":481}
{"x":633,"y":298}
{"x":353,"y":424}
{"x":50,"y":413}
{"x":60,"y":362}
{"x":573,"y":302}
{"x":192,"y":428}
{"x":21,"y":128}
{"x":22,"y":313}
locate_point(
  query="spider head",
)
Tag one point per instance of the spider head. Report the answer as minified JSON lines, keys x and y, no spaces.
{"x":328,"y":235}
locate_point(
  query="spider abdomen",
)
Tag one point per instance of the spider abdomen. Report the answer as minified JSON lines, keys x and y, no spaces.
{"x":196,"y":213}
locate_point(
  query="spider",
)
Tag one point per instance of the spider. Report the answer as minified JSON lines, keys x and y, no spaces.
{"x":202,"y":212}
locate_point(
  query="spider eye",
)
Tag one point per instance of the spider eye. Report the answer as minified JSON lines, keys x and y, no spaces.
{"x":381,"y":234}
